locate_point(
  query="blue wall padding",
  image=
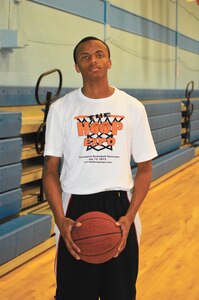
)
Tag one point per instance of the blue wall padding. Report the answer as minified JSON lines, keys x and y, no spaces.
{"x":17,"y":96}
{"x":168,"y":145}
{"x":166,"y":133}
{"x":10,"y":177}
{"x":23,"y":233}
{"x":10,"y":124}
{"x":165,"y":147}
{"x":169,"y":162}
{"x":10,"y":151}
{"x":14,"y":95}
{"x":194,"y":125}
{"x":193,"y":136}
{"x":162,"y":121}
{"x":165,"y":121}
{"x":10,"y":203}
{"x":162,"y":108}
{"x":165,"y":164}
{"x":195,"y":115}
{"x":176,"y":153}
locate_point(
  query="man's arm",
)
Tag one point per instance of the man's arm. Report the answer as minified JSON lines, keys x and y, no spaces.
{"x":53,"y":192}
{"x":141,"y":186}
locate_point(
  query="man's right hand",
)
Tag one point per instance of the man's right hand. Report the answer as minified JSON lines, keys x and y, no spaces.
{"x":65,"y":231}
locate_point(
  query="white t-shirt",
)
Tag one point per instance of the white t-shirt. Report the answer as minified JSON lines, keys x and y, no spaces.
{"x":96,"y":139}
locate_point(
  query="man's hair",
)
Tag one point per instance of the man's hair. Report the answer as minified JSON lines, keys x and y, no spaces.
{"x":89,"y":38}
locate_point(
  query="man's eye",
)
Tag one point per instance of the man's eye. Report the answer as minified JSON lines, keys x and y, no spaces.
{"x":100,"y":55}
{"x":86,"y":57}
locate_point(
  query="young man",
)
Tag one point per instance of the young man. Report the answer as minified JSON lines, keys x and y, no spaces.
{"x":93,"y":131}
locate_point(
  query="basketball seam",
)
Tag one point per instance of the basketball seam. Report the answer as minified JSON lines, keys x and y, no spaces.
{"x":96,"y":218}
{"x":102,"y":253}
{"x":99,"y":235}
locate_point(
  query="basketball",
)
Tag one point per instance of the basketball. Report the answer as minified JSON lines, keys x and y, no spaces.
{"x":98,"y":237}
{"x":105,"y":127}
{"x":94,"y":128}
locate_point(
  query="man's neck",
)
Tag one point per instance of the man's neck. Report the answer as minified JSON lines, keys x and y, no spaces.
{"x":97,"y":90}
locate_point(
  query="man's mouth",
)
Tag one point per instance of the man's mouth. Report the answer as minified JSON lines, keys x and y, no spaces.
{"x":94,"y":69}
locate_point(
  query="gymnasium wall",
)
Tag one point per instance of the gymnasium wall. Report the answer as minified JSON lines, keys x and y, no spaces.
{"x":154,"y":43}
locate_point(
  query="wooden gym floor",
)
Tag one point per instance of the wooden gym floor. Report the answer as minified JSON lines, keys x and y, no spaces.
{"x":169,"y":263}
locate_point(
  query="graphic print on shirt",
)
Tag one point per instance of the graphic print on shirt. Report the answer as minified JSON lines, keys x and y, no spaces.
{"x":100,"y":130}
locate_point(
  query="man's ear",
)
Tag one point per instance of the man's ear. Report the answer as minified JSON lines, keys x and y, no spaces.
{"x":77,"y":68}
{"x":109,"y":64}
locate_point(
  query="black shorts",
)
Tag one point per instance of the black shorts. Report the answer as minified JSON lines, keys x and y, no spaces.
{"x":112,"y":280}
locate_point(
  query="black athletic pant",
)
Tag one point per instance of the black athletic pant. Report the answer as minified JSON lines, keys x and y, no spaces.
{"x":112,"y":280}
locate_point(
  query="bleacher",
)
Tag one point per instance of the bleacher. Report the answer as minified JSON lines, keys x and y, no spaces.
{"x":193,"y":134}
{"x":20,"y":230}
{"x":26,"y":222}
{"x":165,"y":119}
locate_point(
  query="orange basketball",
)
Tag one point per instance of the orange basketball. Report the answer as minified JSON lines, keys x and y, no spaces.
{"x":98,"y":237}
{"x":105,"y":127}
{"x":94,"y":128}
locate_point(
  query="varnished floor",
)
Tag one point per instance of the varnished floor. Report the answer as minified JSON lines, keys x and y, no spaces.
{"x":169,"y":251}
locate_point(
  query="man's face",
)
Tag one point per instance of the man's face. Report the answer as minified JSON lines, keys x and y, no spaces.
{"x":92,"y":60}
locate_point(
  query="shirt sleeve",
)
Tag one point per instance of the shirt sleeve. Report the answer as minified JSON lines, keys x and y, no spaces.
{"x":54,"y":135}
{"x":143,"y":147}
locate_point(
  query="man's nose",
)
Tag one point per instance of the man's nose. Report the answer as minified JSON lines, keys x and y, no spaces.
{"x":93,"y":59}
